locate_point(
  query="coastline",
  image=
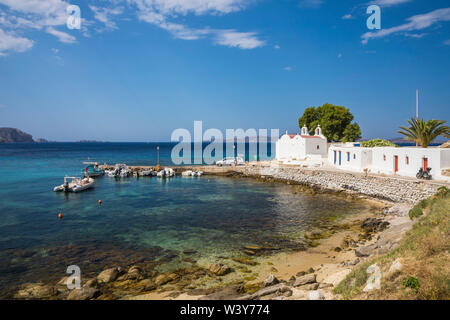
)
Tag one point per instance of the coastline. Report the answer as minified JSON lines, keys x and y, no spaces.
{"x":329,"y":263}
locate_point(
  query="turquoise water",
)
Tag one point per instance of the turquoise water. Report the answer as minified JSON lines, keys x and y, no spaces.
{"x":147,"y":219}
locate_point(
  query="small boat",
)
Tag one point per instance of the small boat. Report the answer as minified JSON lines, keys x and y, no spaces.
{"x":93,"y":170}
{"x":75,"y":184}
{"x":120,"y":170}
{"x":165,"y":173}
{"x":190,"y":173}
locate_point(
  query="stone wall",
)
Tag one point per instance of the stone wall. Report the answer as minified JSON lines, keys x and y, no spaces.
{"x":388,"y":188}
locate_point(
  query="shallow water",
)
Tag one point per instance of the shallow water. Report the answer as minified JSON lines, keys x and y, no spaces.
{"x":146,"y":219}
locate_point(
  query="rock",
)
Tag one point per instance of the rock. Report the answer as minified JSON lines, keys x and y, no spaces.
{"x":310,"y":286}
{"x":316,"y":295}
{"x":313,"y":235}
{"x":365,"y":251}
{"x":189,"y":251}
{"x":219,"y":269}
{"x":92,"y":283}
{"x":162,"y":279}
{"x":134,"y":273}
{"x":324,"y":285}
{"x":310,"y":270}
{"x":270,"y":280}
{"x":396,"y":266}
{"x":108,"y":275}
{"x":279,"y":288}
{"x":337,"y":249}
{"x":253,"y":248}
{"x":84,"y":293}
{"x":309,"y":278}
{"x":337,"y":277}
{"x":354,"y":263}
{"x":146,"y":285}
{"x":291,"y":281}
{"x":246,"y":261}
{"x":36,"y":291}
{"x":374,"y":225}
{"x":300,"y":274}
{"x":227,"y":293}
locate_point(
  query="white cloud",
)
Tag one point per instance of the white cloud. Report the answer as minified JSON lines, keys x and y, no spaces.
{"x":62,"y":36}
{"x":347,"y":16}
{"x":339,"y":55}
{"x":447,"y":42}
{"x":103,"y":15}
{"x":242,"y":40}
{"x":288,"y":68}
{"x":11,"y":42}
{"x":415,"y":23}
{"x":161,"y":13}
{"x":276,"y":46}
{"x":389,"y":3}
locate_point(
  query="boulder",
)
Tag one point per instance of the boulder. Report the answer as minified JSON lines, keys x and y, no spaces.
{"x":146,"y":285}
{"x":219,"y":269}
{"x":316,"y":295}
{"x":108,"y":275}
{"x":162,"y":279}
{"x":270,"y":280}
{"x":36,"y":291}
{"x":134,"y":273}
{"x":310,"y":286}
{"x":306,"y":279}
{"x":85,"y":293}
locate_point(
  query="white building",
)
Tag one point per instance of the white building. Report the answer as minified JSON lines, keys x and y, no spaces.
{"x":301,"y":146}
{"x":402,"y":161}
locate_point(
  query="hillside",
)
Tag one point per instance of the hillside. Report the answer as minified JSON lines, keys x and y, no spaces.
{"x":8,"y":135}
{"x":419,"y":268}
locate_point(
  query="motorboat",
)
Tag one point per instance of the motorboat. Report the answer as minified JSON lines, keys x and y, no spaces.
{"x":75,"y":184}
{"x":120,"y":170}
{"x":93,"y":170}
{"x":165,"y":173}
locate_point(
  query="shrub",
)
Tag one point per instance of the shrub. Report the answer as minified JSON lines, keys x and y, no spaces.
{"x":415,"y":212}
{"x":423,"y":203}
{"x":412,"y":283}
{"x":377,"y":143}
{"x":443,"y":192}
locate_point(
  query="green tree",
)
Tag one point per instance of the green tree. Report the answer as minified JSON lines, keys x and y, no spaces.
{"x":351,"y":133}
{"x":333,"y":120}
{"x":423,"y":132}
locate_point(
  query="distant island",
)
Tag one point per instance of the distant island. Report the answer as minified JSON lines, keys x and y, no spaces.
{"x":13,"y":135}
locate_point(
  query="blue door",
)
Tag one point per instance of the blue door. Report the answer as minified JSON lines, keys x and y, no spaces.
{"x":340,"y":157}
{"x":334,"y":156}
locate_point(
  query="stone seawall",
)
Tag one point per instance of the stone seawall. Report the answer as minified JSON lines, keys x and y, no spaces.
{"x":394,"y":189}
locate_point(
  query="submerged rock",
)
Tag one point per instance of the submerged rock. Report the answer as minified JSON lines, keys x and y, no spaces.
{"x":84,"y":293}
{"x":108,"y":275}
{"x":374,"y":225}
{"x":36,"y":291}
{"x":219,"y":269}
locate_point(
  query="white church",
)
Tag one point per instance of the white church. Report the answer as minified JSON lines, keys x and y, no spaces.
{"x":303,"y":146}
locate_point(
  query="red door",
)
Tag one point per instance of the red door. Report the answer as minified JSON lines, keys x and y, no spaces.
{"x":395,"y":163}
{"x":425,"y":163}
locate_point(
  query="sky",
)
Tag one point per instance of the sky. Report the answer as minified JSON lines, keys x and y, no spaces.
{"x":138,"y":69}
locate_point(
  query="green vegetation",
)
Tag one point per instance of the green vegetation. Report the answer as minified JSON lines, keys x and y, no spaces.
{"x":415,"y":213}
{"x":423,"y":254}
{"x":423,"y":132}
{"x":335,"y":121}
{"x":412,"y":283}
{"x":377,"y":143}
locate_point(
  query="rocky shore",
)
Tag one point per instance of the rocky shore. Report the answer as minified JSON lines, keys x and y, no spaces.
{"x":307,"y":274}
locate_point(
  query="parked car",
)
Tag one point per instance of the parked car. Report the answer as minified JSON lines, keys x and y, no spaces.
{"x":230,"y":161}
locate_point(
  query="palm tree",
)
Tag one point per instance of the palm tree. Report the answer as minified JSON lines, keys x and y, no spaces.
{"x":423,"y":132}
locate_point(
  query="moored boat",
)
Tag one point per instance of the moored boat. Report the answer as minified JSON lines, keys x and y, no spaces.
{"x":93,"y":170}
{"x":75,"y":184}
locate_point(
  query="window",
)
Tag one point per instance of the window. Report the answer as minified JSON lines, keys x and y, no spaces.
{"x":317,"y":147}
{"x":384,"y":157}
{"x":407,"y":160}
{"x":354,"y":156}
{"x":348,"y":156}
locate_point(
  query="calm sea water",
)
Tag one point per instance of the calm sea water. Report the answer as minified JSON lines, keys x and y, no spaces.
{"x":146,"y":219}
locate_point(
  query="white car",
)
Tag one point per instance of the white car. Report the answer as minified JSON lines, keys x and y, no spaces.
{"x":230,"y":161}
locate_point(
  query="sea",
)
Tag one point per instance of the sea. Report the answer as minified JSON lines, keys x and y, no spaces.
{"x":145,"y":220}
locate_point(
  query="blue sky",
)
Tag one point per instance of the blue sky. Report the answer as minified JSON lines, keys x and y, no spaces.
{"x":138,"y":69}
